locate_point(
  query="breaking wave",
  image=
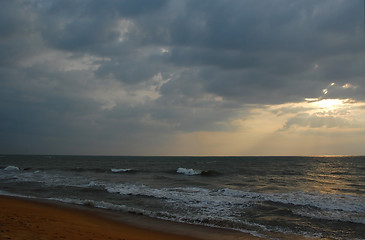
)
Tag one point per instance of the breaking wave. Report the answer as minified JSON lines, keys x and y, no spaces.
{"x":121,"y":170}
{"x":193,"y":172}
{"x":11,"y":168}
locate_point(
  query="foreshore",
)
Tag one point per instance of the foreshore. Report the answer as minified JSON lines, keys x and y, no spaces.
{"x":34,"y":219}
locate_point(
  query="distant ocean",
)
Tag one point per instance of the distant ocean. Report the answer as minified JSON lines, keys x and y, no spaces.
{"x":267,"y":196}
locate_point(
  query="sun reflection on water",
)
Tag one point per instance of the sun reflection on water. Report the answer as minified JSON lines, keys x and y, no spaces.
{"x":330,"y":177}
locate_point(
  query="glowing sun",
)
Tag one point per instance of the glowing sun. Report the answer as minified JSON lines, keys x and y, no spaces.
{"x":330,"y":104}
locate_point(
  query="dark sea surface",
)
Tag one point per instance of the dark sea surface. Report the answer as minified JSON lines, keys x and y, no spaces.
{"x":314,"y":197}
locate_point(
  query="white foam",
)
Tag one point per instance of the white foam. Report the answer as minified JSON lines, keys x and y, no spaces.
{"x":189,"y":172}
{"x":209,"y":202}
{"x":120,"y":170}
{"x":46,"y":178}
{"x":11,"y":168}
{"x":203,"y":202}
{"x":324,"y":202}
{"x":224,"y":203}
{"x":332,"y":215}
{"x":331,"y":202}
{"x":104,"y":205}
{"x":135,"y":189}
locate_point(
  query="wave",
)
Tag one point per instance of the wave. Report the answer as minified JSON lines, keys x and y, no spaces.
{"x":315,"y":205}
{"x":79,"y":169}
{"x":12,"y":168}
{"x":94,"y":170}
{"x":199,"y":204}
{"x":312,"y":204}
{"x":189,"y":172}
{"x":344,"y":208}
{"x":222,"y":203}
{"x":181,"y":218}
{"x":193,"y":172}
{"x":121,"y":170}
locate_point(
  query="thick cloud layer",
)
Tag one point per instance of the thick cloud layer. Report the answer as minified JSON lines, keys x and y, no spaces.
{"x":124,"y":76}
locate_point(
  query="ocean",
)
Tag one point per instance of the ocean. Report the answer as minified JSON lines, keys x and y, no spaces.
{"x":272,"y":197}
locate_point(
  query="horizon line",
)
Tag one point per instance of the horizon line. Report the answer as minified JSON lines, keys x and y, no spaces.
{"x":202,"y":156}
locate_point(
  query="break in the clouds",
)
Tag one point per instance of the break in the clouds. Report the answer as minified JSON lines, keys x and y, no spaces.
{"x":180,"y":76}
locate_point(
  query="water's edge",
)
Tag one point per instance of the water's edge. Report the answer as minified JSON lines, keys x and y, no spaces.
{"x":146,"y":222}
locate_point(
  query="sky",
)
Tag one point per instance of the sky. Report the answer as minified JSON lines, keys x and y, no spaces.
{"x":182,"y":77}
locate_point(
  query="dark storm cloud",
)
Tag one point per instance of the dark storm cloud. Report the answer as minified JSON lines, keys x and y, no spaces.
{"x":253,"y":44}
{"x":278,"y":38}
{"x":16,"y":32}
{"x":110,"y":69}
{"x":129,"y":70}
{"x":88,"y":26}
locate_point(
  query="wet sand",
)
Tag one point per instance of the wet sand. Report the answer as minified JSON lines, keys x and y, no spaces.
{"x":42,"y":220}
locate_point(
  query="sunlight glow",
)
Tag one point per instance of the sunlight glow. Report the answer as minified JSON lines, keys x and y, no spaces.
{"x":330,"y":104}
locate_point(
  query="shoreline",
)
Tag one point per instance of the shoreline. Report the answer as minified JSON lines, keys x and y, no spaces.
{"x":23,"y":218}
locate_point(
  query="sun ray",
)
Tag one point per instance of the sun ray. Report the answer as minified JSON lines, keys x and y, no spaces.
{"x":329,"y":104}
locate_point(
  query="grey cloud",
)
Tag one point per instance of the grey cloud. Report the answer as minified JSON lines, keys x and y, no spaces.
{"x":248,"y":86}
{"x":11,"y":19}
{"x":214,"y":57}
{"x":275,"y":44}
{"x":288,"y":110}
{"x":315,"y":121}
{"x":344,"y":89}
{"x":252,"y":26}
{"x":282,"y":40}
{"x":88,"y":26}
{"x":344,"y":68}
{"x":17,"y":39}
{"x":225,"y":59}
{"x":131,"y":69}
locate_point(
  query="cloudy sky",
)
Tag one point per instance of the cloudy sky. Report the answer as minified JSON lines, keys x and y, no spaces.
{"x":182,"y":77}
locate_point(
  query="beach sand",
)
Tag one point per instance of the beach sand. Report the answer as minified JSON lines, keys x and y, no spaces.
{"x":31,"y":219}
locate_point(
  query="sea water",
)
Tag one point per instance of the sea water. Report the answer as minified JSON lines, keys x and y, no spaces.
{"x":314,"y":197}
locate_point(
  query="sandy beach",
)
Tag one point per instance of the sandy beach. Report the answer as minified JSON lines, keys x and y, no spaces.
{"x":29,"y":219}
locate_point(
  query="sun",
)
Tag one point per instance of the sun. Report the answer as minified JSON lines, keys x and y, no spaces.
{"x":329,"y":104}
